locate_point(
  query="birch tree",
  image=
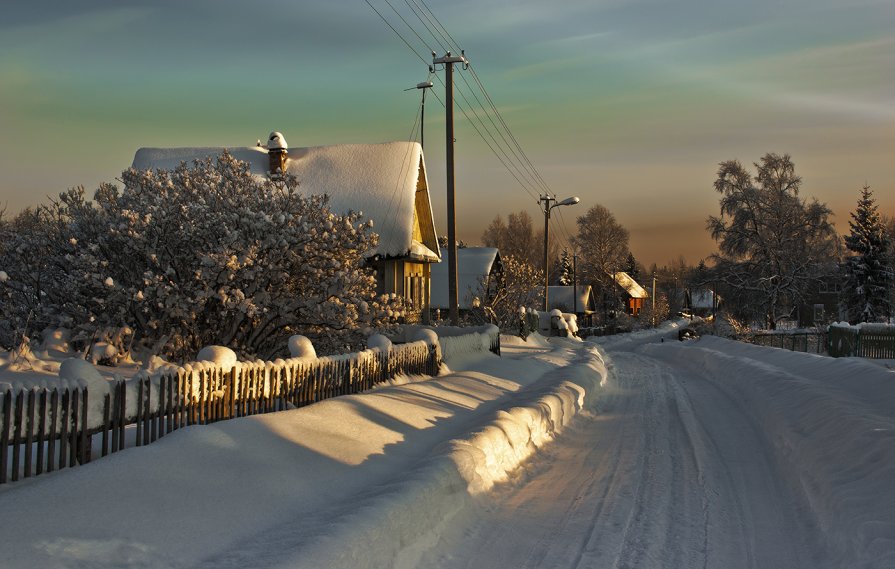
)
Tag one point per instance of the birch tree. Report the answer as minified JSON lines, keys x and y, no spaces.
{"x":773,"y":244}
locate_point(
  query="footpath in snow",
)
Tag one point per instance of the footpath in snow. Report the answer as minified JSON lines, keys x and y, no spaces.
{"x":365,"y":480}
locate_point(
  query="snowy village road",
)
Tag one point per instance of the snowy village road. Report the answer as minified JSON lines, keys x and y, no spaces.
{"x":669,"y":472}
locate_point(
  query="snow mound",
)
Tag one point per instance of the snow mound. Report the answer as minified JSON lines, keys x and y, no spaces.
{"x":102,"y":351}
{"x":80,"y":372}
{"x":379,"y":533}
{"x":221,"y":356}
{"x":379,"y":342}
{"x":301,"y":347}
{"x":425,"y":335}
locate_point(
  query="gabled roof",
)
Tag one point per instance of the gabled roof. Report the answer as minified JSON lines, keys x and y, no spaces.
{"x":563,"y":297}
{"x":386,"y":182}
{"x":630,"y":286}
{"x":474,"y":264}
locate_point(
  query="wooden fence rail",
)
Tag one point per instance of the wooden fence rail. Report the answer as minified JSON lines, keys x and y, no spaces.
{"x":42,"y":430}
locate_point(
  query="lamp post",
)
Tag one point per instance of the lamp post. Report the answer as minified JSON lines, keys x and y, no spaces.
{"x":546,"y":200}
{"x":422,"y":87}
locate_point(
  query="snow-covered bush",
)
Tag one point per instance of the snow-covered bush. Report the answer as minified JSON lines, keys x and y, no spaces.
{"x":205,"y":254}
{"x":30,"y":245}
{"x":301,"y":347}
{"x":521,"y":285}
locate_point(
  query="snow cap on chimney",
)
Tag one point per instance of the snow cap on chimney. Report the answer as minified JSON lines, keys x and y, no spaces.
{"x":276,"y":141}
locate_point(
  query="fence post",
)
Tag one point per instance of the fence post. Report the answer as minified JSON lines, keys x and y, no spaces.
{"x":54,"y":416}
{"x":29,"y":433}
{"x":41,"y":430}
{"x":86,"y":442}
{"x":17,"y":435}
{"x":4,"y":435}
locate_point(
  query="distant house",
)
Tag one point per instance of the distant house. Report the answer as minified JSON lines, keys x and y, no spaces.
{"x":633,"y":294}
{"x":479,"y":275}
{"x":386,"y":182}
{"x":702,"y":301}
{"x":563,"y":298}
{"x":821,"y":305}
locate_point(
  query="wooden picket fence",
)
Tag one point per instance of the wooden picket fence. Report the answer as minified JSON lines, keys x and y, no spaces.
{"x":857,"y":342}
{"x":43,"y":430}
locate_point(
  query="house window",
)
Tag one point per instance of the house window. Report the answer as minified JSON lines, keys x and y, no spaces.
{"x":819,"y":313}
{"x":413,"y":290}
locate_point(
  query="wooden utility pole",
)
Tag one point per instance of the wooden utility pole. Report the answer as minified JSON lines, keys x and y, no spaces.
{"x":546,"y":199}
{"x":575,"y":280}
{"x":448,"y":61}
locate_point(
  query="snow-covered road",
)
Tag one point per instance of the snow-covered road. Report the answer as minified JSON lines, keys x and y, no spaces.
{"x":668,"y":471}
{"x":636,"y":453}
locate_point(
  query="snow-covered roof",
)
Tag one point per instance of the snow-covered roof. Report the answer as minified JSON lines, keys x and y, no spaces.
{"x":474,"y":264}
{"x":563,"y":297}
{"x":633,"y":289}
{"x":702,"y":298}
{"x":386,"y":182}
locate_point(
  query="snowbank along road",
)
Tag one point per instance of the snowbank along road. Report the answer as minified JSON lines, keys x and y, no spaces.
{"x":634,"y":453}
{"x":703,"y":454}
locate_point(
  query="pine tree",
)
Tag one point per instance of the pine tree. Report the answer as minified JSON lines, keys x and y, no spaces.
{"x":868,"y":272}
{"x":631,"y":267}
{"x":565,"y":268}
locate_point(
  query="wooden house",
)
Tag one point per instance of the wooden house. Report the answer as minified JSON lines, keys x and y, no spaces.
{"x":386,"y":182}
{"x":633,"y":295}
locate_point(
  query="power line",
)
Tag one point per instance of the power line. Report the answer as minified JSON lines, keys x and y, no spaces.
{"x":408,"y":25}
{"x":507,"y":149}
{"x":397,"y":33}
{"x":454,"y":44}
{"x":425,"y":25}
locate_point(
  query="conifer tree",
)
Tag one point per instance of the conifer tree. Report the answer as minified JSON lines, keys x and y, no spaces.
{"x":565,"y":268}
{"x":868,"y":271}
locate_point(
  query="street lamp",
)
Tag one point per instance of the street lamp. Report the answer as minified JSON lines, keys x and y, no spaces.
{"x":546,"y":200}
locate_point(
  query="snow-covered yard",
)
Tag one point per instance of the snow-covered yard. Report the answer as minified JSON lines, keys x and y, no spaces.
{"x":635,"y":452}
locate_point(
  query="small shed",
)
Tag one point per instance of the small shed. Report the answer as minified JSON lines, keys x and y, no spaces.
{"x":479,"y":275}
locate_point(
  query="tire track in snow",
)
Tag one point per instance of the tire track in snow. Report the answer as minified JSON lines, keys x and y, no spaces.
{"x":670,"y":471}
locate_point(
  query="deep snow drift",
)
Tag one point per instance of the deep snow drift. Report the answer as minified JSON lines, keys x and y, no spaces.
{"x":350,"y":481}
{"x":637,"y":451}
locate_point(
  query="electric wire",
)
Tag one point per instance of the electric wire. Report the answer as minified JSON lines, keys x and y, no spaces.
{"x":425,"y":25}
{"x":406,"y":23}
{"x":534,"y":180}
{"x":507,"y":150}
{"x":397,"y":33}
{"x":491,"y":135}
{"x":451,"y":42}
{"x":391,"y":211}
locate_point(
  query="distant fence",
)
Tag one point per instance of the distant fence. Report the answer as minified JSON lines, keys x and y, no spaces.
{"x":812,"y":342}
{"x":42,"y":430}
{"x":870,"y":342}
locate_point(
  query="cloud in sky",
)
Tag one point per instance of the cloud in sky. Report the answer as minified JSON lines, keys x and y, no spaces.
{"x":628,"y":103}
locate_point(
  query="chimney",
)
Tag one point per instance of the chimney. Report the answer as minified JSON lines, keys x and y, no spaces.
{"x":277,"y":154}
